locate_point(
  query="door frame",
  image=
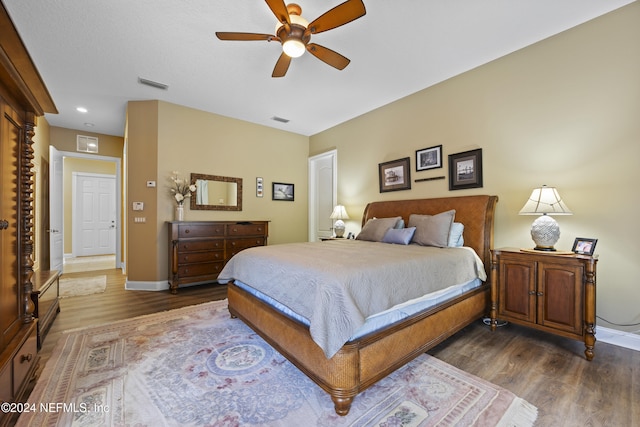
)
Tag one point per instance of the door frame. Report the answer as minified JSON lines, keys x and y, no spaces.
{"x":313,"y":161}
{"x":118,"y":162}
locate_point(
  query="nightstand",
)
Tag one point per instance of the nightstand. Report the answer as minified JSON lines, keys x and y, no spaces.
{"x":551,"y":292}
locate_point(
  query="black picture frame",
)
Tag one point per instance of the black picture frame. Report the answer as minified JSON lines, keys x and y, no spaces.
{"x":465,"y":170}
{"x":429,"y":158}
{"x":584,"y":246}
{"x":282,"y":191}
{"x":395,"y":175}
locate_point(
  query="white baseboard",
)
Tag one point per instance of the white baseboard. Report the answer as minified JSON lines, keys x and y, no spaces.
{"x":619,"y":338}
{"x":161,"y":285}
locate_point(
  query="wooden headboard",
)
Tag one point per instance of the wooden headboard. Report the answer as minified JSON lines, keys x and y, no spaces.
{"x":475,"y":212}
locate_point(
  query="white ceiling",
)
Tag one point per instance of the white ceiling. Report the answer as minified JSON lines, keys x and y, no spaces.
{"x":90,"y":53}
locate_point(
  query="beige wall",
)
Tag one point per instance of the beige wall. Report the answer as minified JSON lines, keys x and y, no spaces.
{"x":563,"y":112}
{"x":65,"y":140}
{"x":164,"y":137}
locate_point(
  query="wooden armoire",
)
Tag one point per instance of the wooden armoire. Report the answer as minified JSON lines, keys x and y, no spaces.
{"x":23,"y":98}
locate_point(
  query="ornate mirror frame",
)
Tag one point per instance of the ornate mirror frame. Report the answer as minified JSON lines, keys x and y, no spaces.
{"x":197,"y":207}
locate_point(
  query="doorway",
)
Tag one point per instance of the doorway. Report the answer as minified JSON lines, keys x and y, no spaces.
{"x":63,"y":213}
{"x":323,"y":194}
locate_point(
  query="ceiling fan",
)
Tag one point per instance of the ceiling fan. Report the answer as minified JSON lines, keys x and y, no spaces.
{"x":294,"y":32}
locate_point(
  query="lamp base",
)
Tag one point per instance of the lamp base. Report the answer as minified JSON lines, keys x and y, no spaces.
{"x":542,"y":248}
{"x":545,"y":232}
{"x":338,"y":228}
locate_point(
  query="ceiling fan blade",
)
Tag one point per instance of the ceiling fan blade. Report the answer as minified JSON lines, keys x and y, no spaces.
{"x":342,"y":14}
{"x":279,"y":9}
{"x":244,"y":36}
{"x":329,"y":56}
{"x":281,"y":66}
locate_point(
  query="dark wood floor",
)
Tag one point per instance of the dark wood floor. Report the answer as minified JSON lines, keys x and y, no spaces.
{"x":548,"y":371}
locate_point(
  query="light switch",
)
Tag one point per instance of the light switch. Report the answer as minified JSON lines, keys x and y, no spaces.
{"x":138,"y":206}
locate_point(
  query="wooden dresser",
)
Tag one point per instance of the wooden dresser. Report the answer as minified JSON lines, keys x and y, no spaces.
{"x":199,"y":249}
{"x":23,"y":98}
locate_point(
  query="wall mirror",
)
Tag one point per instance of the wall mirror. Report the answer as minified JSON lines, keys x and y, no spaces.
{"x":216,"y":193}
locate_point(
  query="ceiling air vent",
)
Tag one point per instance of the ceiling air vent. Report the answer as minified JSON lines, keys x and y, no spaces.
{"x":87,"y":144}
{"x":280,"y":119}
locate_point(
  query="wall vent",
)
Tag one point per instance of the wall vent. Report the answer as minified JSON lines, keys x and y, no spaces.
{"x":86,"y":144}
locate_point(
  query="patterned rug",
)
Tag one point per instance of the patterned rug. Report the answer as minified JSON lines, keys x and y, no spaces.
{"x":196,"y":366}
{"x":75,"y":286}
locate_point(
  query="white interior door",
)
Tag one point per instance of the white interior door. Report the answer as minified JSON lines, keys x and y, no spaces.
{"x":56,"y":236}
{"x":323,"y":189}
{"x":94,"y":219}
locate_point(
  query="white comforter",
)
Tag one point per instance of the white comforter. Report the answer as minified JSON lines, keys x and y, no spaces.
{"x":337,"y":284}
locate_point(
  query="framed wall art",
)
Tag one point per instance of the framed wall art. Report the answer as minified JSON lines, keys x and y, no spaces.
{"x":465,"y":170}
{"x":429,"y":158}
{"x":395,"y":175}
{"x":584,"y":246}
{"x":282,"y":191}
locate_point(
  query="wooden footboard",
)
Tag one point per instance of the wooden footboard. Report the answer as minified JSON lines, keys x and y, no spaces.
{"x":361,"y":363}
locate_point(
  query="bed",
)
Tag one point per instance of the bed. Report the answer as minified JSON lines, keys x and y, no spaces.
{"x":362,"y":361}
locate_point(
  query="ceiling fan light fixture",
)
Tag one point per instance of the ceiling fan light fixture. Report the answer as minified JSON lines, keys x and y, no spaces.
{"x":293,"y":48}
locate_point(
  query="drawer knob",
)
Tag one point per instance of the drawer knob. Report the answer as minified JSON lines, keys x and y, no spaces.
{"x":26,"y":358}
{"x":186,"y":231}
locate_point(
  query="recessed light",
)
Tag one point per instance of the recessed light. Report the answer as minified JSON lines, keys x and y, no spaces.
{"x":89,"y":125}
{"x":82,"y":110}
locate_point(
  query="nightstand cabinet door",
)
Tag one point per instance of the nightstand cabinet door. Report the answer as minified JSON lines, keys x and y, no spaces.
{"x":517,"y":290}
{"x":560,"y":296}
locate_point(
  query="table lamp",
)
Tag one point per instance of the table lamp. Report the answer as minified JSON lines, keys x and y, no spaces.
{"x":545,"y":231}
{"x":339,"y":213}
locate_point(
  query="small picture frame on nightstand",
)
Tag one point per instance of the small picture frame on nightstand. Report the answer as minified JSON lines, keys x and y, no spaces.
{"x":584,"y":246}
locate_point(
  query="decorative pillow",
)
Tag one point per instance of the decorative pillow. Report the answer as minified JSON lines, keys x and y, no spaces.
{"x":455,"y":235}
{"x":399,"y":236}
{"x":375,"y":228}
{"x":432,"y":230}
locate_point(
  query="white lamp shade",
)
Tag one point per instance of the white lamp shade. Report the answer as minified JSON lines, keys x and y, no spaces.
{"x":339,"y":212}
{"x":545,"y":200}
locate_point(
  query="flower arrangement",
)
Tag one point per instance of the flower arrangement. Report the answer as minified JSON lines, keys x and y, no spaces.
{"x":181,"y":189}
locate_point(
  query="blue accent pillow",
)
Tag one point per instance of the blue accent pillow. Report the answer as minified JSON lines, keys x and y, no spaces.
{"x":399,"y":236}
{"x":455,"y":235}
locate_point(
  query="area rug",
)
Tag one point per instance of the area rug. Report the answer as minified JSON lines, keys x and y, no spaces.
{"x":75,"y":286}
{"x":196,"y":366}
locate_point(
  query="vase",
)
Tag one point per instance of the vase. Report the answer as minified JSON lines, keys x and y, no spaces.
{"x":179,"y":213}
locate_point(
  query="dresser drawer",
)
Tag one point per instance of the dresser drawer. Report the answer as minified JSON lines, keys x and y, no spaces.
{"x":245,"y":230}
{"x":200,"y":245}
{"x":197,"y":257}
{"x":200,"y":230}
{"x":236,"y":245}
{"x":24,"y":360}
{"x":204,"y":269}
